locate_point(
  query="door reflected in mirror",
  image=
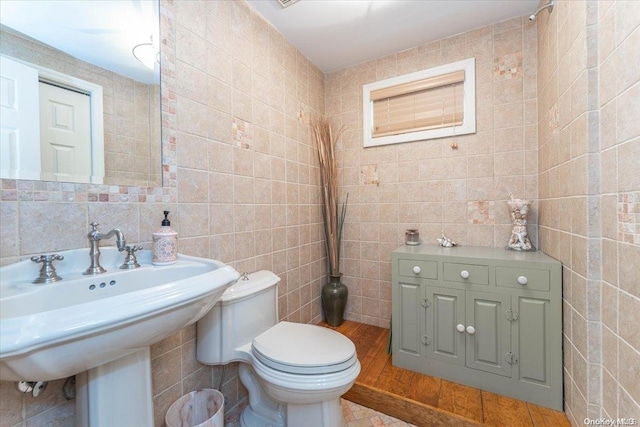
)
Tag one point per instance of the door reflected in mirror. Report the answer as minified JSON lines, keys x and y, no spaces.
{"x":65,"y":119}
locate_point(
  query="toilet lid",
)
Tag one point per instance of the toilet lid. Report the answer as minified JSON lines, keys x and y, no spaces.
{"x":304,"y":349}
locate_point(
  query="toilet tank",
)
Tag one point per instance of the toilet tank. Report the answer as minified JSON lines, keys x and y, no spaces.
{"x":245,"y":310}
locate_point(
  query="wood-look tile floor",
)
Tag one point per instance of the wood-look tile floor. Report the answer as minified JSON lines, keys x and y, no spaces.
{"x":428,"y":401}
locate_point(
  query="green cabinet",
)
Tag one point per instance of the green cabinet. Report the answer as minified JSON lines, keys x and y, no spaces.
{"x":410,"y":335}
{"x":488,"y":333}
{"x":484,"y":317}
{"x":444,"y":310}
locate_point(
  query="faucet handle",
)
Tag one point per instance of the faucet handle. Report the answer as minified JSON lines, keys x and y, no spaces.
{"x":130,"y":260}
{"x":47,"y":258}
{"x":47,"y":271}
{"x":94,"y":225}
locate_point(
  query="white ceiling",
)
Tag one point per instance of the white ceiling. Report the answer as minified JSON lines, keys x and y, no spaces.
{"x":334,"y":34}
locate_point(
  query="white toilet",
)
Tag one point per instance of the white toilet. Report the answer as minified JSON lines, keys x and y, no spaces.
{"x":295,"y":373}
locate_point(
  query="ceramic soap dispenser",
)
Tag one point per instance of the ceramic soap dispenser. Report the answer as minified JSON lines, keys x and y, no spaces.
{"x":165,"y":243}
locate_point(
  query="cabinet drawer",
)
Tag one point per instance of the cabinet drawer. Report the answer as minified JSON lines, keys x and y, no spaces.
{"x":416,"y":268}
{"x":466,"y":273}
{"x":523,"y":278}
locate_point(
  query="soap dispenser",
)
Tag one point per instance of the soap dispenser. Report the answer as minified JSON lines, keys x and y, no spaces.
{"x":165,"y":243}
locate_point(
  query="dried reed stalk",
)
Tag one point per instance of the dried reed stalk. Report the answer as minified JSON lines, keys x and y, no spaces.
{"x":332,"y":214}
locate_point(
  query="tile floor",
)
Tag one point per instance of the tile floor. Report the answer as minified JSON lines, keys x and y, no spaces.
{"x":354,"y":416}
{"x":359,"y":416}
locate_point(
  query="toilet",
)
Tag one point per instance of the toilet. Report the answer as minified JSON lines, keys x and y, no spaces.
{"x":294,"y":373}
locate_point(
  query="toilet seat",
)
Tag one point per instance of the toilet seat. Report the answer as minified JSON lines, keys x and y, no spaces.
{"x":297,"y":348}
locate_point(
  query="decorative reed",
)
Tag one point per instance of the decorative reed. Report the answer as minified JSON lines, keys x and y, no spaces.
{"x":332,"y":214}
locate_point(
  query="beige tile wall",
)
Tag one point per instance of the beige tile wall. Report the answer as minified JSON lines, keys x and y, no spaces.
{"x":240,"y":182}
{"x":619,"y":95}
{"x":588,"y":160}
{"x":428,"y":185}
{"x":131,"y":111}
{"x":569,"y":201}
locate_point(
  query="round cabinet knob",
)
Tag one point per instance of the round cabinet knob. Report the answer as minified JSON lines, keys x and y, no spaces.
{"x":417,"y":269}
{"x":464,"y":274}
{"x":460,"y":327}
{"x":471,"y":330}
{"x":522,"y":280}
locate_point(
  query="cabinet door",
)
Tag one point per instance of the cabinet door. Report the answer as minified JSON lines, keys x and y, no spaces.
{"x":488,"y":343}
{"x":444,"y":311}
{"x":408,"y":313}
{"x":531,"y":339}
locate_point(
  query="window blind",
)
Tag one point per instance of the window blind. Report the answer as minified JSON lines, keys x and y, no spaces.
{"x":431,"y":103}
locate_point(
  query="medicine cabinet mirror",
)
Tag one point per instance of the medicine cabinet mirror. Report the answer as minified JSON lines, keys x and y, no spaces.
{"x":81,"y":91}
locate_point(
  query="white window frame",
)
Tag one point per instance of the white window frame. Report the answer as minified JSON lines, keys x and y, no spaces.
{"x":469,"y":105}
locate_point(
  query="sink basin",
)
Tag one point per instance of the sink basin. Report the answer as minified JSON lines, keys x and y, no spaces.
{"x":55,"y":330}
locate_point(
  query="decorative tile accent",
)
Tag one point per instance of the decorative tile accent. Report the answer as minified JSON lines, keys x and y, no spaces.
{"x":168,"y":94}
{"x":481,"y":212}
{"x":40,"y":191}
{"x":241,"y":133}
{"x":508,"y":66}
{"x":629,"y":217}
{"x":369,"y":175}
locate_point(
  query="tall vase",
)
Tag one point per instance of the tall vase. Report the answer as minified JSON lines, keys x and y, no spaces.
{"x":334,"y":300}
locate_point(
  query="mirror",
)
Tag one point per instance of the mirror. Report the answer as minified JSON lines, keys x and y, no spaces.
{"x":91,"y":76}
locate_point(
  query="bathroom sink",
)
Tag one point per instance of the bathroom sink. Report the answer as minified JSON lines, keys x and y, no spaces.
{"x":55,"y":330}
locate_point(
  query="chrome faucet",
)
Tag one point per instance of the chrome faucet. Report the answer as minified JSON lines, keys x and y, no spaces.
{"x":94,"y":237}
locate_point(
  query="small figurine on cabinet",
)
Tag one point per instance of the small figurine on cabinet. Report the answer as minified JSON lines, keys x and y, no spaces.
{"x":519,"y":240}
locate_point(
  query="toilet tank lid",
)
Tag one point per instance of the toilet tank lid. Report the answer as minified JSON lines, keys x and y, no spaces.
{"x":254,"y":283}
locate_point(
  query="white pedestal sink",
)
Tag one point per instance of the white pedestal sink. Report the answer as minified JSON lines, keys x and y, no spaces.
{"x":125,"y":384}
{"x":100,"y":327}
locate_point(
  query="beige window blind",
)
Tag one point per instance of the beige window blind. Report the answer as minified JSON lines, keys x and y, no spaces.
{"x":431,"y":103}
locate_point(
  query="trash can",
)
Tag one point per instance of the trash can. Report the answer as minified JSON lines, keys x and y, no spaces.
{"x":201,"y":408}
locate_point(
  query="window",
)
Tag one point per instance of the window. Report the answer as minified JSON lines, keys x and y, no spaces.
{"x":428,"y":104}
